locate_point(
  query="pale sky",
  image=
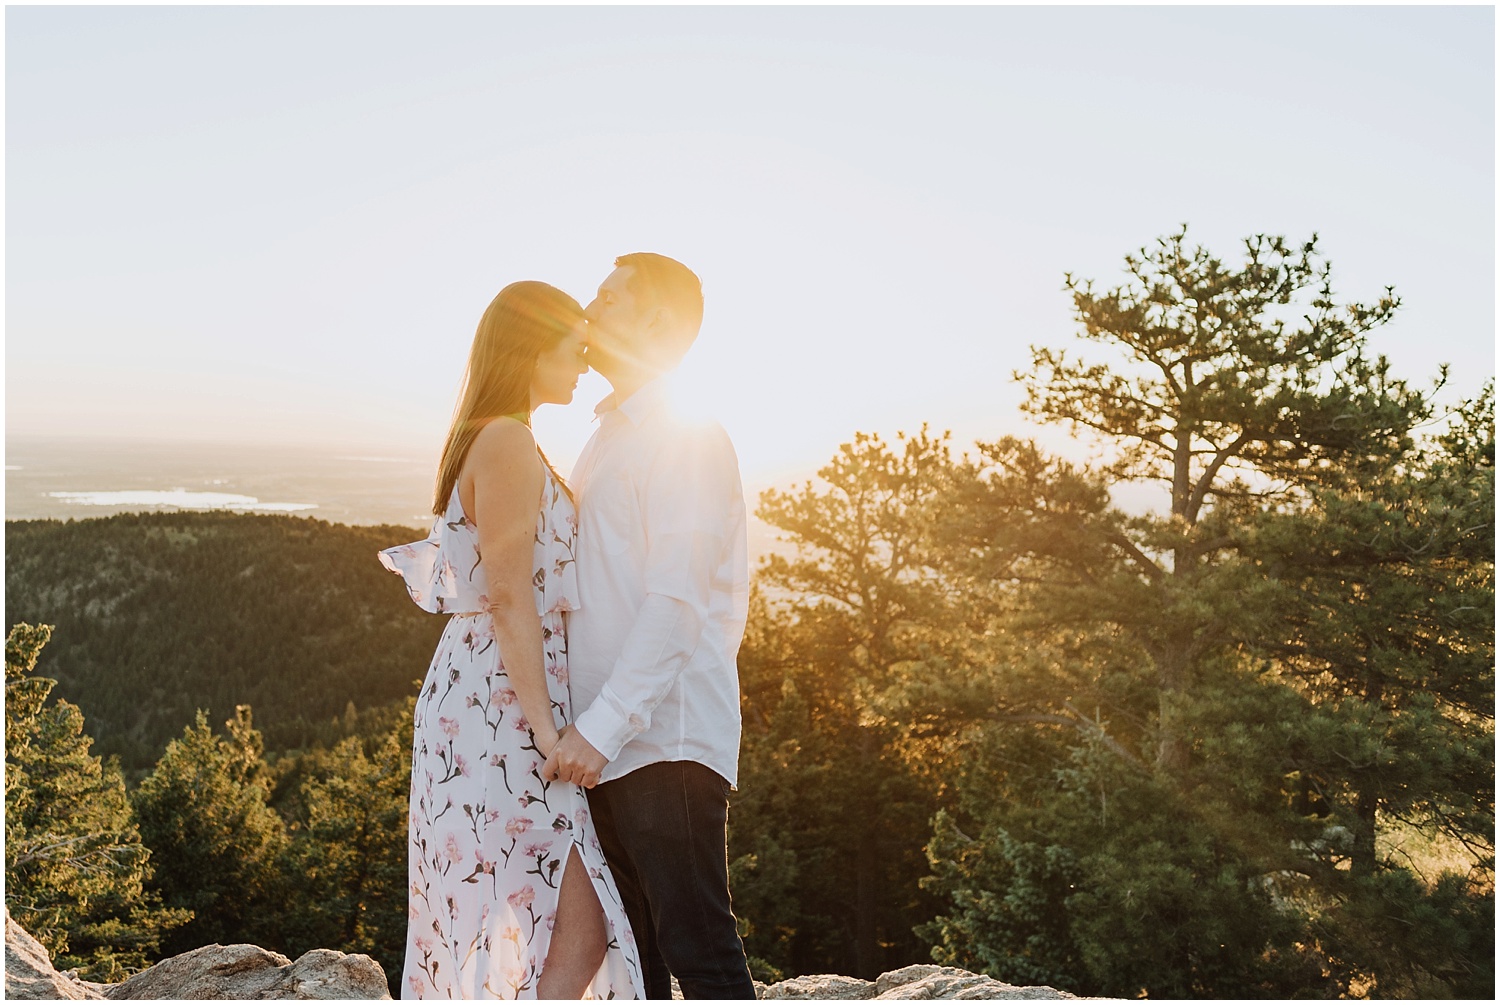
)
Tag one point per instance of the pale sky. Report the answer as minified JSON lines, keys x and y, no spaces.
{"x":282,"y":224}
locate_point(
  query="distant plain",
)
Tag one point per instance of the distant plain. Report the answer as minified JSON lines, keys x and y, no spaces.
{"x":65,"y":479}
{"x":62,"y":479}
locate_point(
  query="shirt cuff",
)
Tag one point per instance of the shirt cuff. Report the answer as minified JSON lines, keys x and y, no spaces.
{"x":607,"y":728}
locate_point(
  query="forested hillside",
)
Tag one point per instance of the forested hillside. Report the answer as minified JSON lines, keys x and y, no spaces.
{"x":158,"y":615}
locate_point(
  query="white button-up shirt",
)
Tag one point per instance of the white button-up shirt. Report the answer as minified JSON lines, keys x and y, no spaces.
{"x":663,"y":588}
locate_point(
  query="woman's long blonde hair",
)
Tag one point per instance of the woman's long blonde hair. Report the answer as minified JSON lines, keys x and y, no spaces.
{"x":523,"y":321}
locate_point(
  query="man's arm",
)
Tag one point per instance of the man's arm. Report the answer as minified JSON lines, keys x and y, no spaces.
{"x":689,"y":496}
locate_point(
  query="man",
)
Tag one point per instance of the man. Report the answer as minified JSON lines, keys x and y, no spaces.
{"x":663,"y":595}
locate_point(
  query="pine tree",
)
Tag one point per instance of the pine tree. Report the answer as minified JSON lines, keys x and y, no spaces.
{"x":74,"y":863}
{"x":1389,"y":601}
{"x":834,"y":625}
{"x":348,"y":849}
{"x":203,"y":811}
{"x":1206,"y":712}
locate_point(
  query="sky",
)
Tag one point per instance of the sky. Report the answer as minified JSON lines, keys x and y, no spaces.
{"x":281,"y":225}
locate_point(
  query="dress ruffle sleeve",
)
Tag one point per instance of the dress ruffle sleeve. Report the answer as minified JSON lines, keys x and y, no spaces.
{"x":442,"y":572}
{"x":444,"y":575}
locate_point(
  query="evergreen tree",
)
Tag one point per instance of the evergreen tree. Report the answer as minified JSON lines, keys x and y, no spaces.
{"x":1389,"y":594}
{"x":348,"y":848}
{"x":1207,"y":713}
{"x":1231,"y":390}
{"x":203,"y":811}
{"x":1390,"y":598}
{"x":74,"y":863}
{"x":831,"y":816}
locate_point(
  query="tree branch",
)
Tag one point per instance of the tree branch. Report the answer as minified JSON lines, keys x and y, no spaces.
{"x":1207,"y":478}
{"x":1082,"y":723}
{"x":1149,"y":567}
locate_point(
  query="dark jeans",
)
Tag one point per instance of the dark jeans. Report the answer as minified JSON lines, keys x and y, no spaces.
{"x":663,"y":831}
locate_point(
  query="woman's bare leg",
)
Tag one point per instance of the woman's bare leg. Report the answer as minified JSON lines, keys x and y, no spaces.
{"x":579,"y":938}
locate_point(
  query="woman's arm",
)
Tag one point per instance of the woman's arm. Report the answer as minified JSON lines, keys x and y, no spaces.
{"x":506,"y":475}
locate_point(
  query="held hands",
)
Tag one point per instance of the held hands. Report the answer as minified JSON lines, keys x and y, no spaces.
{"x":574,"y":759}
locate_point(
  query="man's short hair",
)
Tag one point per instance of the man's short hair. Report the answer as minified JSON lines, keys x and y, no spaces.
{"x":661,"y":281}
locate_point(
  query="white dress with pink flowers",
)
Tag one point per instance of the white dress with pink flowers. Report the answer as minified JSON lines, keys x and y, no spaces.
{"x":490,"y":838}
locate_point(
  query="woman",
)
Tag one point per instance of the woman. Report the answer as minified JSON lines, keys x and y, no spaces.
{"x":510,"y":896}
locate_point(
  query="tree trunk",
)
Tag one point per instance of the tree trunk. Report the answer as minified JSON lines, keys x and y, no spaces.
{"x":866,"y":901}
{"x":1172,"y":745}
{"x":1362,"y":859}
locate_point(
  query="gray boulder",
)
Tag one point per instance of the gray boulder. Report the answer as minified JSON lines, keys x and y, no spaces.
{"x":926,"y":981}
{"x":250,"y":973}
{"x":29,"y":973}
{"x":921,"y":982}
{"x":245,"y":973}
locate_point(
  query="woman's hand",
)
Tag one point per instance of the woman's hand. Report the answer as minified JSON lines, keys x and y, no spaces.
{"x":546,"y":738}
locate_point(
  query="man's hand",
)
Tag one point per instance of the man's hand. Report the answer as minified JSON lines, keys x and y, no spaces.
{"x":574,"y":760}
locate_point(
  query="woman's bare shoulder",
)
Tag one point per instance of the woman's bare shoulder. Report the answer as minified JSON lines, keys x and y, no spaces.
{"x":504,"y":448}
{"x":504,"y":438}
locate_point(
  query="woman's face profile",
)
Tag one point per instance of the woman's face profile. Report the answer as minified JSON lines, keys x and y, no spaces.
{"x":558,"y":369}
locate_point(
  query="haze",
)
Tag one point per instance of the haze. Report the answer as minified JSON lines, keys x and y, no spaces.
{"x":280,"y":225}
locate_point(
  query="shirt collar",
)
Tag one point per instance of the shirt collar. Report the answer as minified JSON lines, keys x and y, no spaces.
{"x":649,"y":397}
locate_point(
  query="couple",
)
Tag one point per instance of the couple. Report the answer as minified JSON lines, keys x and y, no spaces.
{"x":592,"y":647}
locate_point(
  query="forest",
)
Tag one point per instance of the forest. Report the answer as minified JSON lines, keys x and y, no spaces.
{"x":158,"y":615}
{"x":1237,"y":743}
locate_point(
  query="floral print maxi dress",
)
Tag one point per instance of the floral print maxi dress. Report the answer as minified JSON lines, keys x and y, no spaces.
{"x":489,"y":838}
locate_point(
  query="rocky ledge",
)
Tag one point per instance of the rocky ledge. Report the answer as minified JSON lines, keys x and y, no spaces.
{"x":246,"y":973}
{"x":249,"y":973}
{"x":921,"y":982}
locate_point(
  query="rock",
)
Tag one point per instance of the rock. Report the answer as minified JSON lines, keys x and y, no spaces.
{"x":327,"y":974}
{"x":29,"y":973}
{"x":926,"y":981}
{"x":921,"y":982}
{"x":250,"y":973}
{"x":820,"y":987}
{"x":213,"y":972}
